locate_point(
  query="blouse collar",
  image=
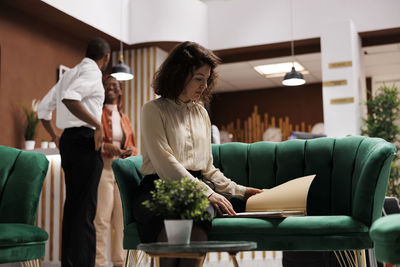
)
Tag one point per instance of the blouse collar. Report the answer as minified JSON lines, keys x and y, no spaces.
{"x":111,"y":107}
{"x":180,"y":104}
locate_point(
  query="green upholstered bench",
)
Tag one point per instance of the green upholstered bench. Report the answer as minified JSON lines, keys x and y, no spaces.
{"x":21,"y":180}
{"x":345,"y":198}
{"x":385,"y":232}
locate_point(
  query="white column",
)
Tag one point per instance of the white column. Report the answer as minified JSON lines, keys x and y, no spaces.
{"x":343,"y":89}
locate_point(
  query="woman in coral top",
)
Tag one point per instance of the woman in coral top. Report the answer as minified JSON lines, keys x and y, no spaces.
{"x":118,"y":141}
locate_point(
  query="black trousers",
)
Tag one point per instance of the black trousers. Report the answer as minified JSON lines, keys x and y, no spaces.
{"x":82,"y":167}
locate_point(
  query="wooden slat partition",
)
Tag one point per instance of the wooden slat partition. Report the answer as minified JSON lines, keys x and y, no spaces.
{"x":252,"y":129}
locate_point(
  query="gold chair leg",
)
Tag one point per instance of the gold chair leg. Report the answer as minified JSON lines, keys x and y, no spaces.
{"x":356,"y":258}
{"x":127,"y":258}
{"x":234,"y":260}
{"x":31,"y":263}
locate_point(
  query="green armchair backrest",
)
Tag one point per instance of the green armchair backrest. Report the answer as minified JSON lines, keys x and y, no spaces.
{"x":352,"y":172}
{"x":21,"y":179}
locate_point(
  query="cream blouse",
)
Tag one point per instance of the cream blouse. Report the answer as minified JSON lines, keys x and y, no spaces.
{"x":176,"y":137}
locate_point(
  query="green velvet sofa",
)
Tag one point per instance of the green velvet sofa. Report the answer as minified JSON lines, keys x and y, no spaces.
{"x":345,"y":198}
{"x":385,"y":232}
{"x":21,"y":179}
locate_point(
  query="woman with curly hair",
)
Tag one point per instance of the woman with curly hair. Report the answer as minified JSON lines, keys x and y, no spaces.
{"x":176,"y":141}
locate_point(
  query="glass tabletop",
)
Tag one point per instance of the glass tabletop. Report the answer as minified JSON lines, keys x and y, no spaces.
{"x":198,"y":246}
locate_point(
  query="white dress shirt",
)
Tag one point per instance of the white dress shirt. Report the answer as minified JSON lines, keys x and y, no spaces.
{"x":82,"y":83}
{"x":176,"y":137}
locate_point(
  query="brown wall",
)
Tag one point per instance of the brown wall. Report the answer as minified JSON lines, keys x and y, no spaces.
{"x":300,"y":103}
{"x":30,"y":54}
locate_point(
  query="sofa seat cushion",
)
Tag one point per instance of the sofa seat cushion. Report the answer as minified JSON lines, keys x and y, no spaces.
{"x":295,"y":233}
{"x":385,"y":233}
{"x":18,"y":234}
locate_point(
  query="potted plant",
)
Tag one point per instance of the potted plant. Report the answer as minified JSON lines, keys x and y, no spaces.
{"x":52,"y":144}
{"x":31,"y":123}
{"x":382,"y":121}
{"x":179,"y":202}
{"x":44,"y":144}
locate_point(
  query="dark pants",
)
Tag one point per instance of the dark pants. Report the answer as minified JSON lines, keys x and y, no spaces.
{"x":82,"y":167}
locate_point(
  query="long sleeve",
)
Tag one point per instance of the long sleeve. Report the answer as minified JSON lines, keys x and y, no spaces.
{"x":47,"y":104}
{"x":157,"y":149}
{"x":176,"y":137}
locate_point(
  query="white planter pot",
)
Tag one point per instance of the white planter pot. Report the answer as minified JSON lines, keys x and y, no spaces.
{"x":44,"y":144}
{"x":178,"y":231}
{"x":29,"y":144}
{"x":52,"y":145}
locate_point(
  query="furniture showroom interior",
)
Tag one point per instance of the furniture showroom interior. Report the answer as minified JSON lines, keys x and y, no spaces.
{"x":284,"y":126}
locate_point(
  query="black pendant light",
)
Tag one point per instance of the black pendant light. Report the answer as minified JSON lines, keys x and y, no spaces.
{"x":293,"y":78}
{"x":121,"y":71}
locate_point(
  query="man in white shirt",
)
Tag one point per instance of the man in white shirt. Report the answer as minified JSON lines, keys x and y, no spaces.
{"x":78,"y":97}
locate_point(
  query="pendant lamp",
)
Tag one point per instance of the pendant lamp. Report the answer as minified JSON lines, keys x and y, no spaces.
{"x":293,"y":78}
{"x":121,"y":71}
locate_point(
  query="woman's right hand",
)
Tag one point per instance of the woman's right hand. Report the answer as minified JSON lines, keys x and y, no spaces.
{"x":221,"y":204}
{"x":112,"y":149}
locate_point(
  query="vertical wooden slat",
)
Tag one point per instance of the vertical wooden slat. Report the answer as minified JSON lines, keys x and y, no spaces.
{"x":135,"y":94}
{"x":148,"y":74}
{"x":142,"y":93}
{"x":51,"y":234}
{"x":250,"y":130}
{"x":128,"y":89}
{"x":154,"y":66}
{"x":273,"y":124}
{"x":61,"y":212}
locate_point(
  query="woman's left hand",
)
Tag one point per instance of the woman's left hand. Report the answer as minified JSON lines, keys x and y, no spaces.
{"x":250,"y":191}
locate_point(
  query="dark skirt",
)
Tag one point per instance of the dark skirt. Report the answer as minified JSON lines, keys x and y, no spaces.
{"x":150,"y":225}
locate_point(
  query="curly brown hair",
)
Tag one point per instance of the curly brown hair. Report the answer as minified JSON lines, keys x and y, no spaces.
{"x":184,"y":59}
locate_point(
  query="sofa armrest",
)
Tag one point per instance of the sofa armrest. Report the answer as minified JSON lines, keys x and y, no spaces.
{"x":128,"y":176}
{"x":373,"y":171}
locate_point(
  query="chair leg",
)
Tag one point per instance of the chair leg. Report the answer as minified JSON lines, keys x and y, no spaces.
{"x":127,"y":258}
{"x":31,"y":263}
{"x":351,"y":258}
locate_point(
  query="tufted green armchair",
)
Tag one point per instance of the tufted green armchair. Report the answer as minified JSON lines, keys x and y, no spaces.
{"x":345,"y":198}
{"x":21,"y":179}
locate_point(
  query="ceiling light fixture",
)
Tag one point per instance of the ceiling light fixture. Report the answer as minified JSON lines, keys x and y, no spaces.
{"x":293,"y":78}
{"x":121,"y":71}
{"x":278,"y":69}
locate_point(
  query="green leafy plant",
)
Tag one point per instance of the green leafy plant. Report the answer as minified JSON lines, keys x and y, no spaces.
{"x":384,"y":114}
{"x":31,"y":120}
{"x":178,"y":199}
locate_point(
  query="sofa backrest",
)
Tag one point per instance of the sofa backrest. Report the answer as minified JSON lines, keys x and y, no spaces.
{"x":352,"y":172}
{"x":21,"y":179}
